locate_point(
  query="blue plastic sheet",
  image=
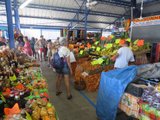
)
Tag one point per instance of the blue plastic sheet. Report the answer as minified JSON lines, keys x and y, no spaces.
{"x":111,"y":89}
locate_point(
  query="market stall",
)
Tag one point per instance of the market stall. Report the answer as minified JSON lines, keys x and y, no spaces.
{"x":94,"y":58}
{"x":24,"y":92}
{"x":137,"y":94}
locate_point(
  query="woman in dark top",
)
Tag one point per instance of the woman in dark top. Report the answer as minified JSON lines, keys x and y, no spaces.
{"x":32,"y":42}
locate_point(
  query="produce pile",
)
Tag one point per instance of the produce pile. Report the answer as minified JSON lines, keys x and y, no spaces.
{"x":150,"y":104}
{"x":129,"y":105}
{"x":95,"y":57}
{"x":103,"y":49}
{"x":24,"y":93}
{"x":144,"y":107}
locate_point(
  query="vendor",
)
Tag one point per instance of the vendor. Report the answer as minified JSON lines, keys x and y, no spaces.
{"x":124,"y":56}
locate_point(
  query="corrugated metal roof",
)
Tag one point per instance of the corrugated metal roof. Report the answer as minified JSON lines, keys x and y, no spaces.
{"x":109,"y":9}
{"x":53,"y":13}
{"x":152,"y":8}
{"x":68,"y":4}
{"x":101,"y":18}
{"x":98,"y":25}
{"x":59,"y":3}
{"x":45,"y":13}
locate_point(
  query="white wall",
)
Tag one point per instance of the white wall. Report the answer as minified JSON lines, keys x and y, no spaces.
{"x":31,"y":33}
{"x":51,"y":34}
{"x":106,"y":34}
{"x":48,"y":34}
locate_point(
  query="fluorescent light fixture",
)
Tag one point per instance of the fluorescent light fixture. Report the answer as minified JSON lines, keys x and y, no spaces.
{"x":25,"y":4}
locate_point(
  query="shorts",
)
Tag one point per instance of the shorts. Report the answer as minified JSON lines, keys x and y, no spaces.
{"x":65,"y":70}
{"x":41,"y":50}
{"x":49,"y":53}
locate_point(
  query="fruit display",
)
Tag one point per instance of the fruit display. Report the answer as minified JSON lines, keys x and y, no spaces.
{"x":146,"y":107}
{"x":129,"y":105}
{"x":89,"y":67}
{"x":148,"y":112}
{"x":93,"y":58}
{"x":107,"y":48}
{"x":42,"y":110}
{"x":24,"y":93}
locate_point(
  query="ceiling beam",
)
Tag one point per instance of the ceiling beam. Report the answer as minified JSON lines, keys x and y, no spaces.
{"x":30,"y":26}
{"x":59,"y":19}
{"x":77,"y":13}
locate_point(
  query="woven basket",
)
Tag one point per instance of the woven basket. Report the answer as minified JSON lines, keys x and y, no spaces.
{"x":141,"y":52}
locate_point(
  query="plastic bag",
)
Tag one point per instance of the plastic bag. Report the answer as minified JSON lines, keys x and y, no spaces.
{"x":72,"y":57}
{"x":149,"y":71}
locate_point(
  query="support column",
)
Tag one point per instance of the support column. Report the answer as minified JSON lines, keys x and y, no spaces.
{"x":10,"y":23}
{"x":101,"y":31}
{"x":85,"y":25}
{"x":131,"y":26}
{"x":16,"y":15}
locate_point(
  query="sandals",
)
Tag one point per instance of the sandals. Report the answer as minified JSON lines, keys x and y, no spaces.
{"x":69,"y":97}
{"x":58,"y":93}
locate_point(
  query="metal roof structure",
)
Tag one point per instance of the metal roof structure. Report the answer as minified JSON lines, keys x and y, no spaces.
{"x":69,"y":13}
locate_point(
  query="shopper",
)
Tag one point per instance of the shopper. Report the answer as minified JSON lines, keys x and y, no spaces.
{"x":49,"y":52}
{"x":123,"y":57}
{"x":41,"y":43}
{"x":27,"y":47}
{"x":32,"y":42}
{"x":65,"y":72}
{"x":36,"y":47}
{"x":45,"y":49}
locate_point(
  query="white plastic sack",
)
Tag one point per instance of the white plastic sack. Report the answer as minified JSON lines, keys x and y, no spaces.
{"x":72,"y":57}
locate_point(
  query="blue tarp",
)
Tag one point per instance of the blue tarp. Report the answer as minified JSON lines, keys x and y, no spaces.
{"x":111,"y":89}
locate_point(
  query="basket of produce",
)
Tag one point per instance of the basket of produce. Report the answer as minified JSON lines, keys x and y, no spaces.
{"x":81,"y":60}
{"x":141,"y":52}
{"x":92,"y":82}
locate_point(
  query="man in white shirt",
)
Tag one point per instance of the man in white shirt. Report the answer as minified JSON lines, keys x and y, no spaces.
{"x":124,"y":56}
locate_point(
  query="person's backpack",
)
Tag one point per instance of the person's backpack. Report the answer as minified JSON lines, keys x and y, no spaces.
{"x":57,"y":61}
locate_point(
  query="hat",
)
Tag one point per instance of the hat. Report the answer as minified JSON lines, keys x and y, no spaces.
{"x":56,"y":43}
{"x":62,"y":41}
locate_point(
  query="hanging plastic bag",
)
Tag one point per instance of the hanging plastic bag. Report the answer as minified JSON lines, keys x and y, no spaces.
{"x":72,"y":57}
